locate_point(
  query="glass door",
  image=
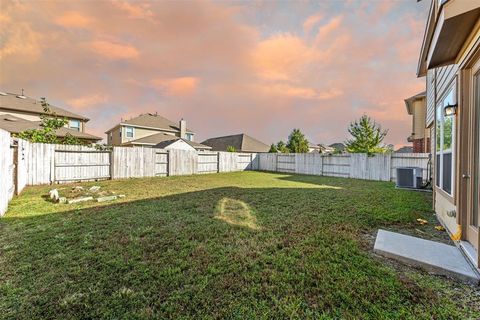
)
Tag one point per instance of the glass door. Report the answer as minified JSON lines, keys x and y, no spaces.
{"x":476,"y":158}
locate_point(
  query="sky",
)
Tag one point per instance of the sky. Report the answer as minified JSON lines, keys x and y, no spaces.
{"x":226,"y":67}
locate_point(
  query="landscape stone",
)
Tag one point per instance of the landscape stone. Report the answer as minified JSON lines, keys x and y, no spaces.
{"x":107,"y":198}
{"x":77,"y":200}
{"x":54,"y":195}
{"x":94,"y":188}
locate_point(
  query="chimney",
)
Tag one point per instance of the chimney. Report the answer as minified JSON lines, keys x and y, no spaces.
{"x":183,"y":129}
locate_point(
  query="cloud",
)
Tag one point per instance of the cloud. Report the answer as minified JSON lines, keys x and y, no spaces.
{"x":329,"y":28}
{"x":176,"y":86}
{"x":311,"y":21}
{"x":73,"y":19}
{"x":88,"y":101}
{"x":113,"y":50}
{"x":226,"y":67}
{"x":138,"y":11}
{"x":281,"y":56}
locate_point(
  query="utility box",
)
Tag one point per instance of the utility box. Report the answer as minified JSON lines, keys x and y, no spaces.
{"x":409,"y":177}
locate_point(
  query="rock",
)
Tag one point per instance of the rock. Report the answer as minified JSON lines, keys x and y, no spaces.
{"x":121,"y":196}
{"x":94,"y":188}
{"x":107,"y":198}
{"x":77,"y":200}
{"x":77,"y":188}
{"x":54,"y":195}
{"x":62,"y":200}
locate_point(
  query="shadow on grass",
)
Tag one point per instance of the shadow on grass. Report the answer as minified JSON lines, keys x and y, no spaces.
{"x":222,"y":252}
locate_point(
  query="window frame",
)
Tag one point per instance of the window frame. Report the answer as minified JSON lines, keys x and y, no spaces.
{"x":74,"y":121}
{"x":127,"y":132}
{"x":440,"y":152}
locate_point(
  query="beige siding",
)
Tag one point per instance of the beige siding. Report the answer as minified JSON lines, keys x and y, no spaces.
{"x":419,"y":110}
{"x":445,"y":76}
{"x":36,"y":117}
{"x":117,"y":140}
{"x":430,"y":98}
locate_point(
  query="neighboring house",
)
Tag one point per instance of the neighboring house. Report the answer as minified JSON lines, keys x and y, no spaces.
{"x":405,"y":149}
{"x":153,"y":130}
{"x":241,"y":142}
{"x":420,"y":137}
{"x":20,"y":113}
{"x":314,"y":148}
{"x":450,"y":62}
{"x":167,"y":141}
{"x":338,"y":147}
{"x":326,"y":149}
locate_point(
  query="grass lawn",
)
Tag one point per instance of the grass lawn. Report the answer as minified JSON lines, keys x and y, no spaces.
{"x":237,"y":245}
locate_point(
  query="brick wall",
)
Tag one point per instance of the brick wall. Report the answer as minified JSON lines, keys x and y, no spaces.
{"x":419,"y":145}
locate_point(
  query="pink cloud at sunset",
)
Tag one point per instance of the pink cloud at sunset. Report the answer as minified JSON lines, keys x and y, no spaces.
{"x":177,"y":86}
{"x":261,"y":68}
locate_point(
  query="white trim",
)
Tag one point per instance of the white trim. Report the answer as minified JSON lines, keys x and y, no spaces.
{"x":439,"y":166}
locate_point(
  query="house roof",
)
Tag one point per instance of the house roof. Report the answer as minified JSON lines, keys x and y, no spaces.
{"x":409,"y":101}
{"x":16,"y":102}
{"x":153,"y":121}
{"x":338,"y":145}
{"x":15,"y":124}
{"x":241,"y":142}
{"x":161,"y":140}
{"x":314,"y":146}
{"x":405,"y":149}
{"x":449,"y":25}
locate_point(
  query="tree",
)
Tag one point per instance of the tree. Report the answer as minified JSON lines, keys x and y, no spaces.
{"x":297,"y":142}
{"x":273,"y":148}
{"x":50,"y":123}
{"x":367,"y":137}
{"x":231,"y":149}
{"x":282,"y":147}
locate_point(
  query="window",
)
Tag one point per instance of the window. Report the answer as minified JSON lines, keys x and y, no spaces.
{"x":74,"y":124}
{"x":445,"y":129}
{"x":189,"y":136}
{"x":129,"y":132}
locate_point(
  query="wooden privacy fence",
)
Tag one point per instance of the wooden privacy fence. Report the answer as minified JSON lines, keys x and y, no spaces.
{"x":39,"y":163}
{"x":23,"y":163}
{"x":380,"y":167}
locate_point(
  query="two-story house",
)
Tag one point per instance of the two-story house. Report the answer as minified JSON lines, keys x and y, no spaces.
{"x":450,"y":62}
{"x":20,"y":113}
{"x":153,"y":130}
{"x":420,"y":137}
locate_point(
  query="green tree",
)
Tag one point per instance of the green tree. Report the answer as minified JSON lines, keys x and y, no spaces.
{"x":282,"y":147}
{"x":231,"y":149}
{"x":297,"y":142}
{"x":273,"y":148}
{"x":50,"y":123}
{"x":367,"y":137}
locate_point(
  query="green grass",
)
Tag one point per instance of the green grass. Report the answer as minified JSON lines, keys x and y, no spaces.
{"x":237,"y":246}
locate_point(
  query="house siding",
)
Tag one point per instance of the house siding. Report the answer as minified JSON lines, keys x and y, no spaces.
{"x":36,"y":117}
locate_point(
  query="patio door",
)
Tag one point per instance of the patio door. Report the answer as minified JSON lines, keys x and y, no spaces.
{"x":473,"y":215}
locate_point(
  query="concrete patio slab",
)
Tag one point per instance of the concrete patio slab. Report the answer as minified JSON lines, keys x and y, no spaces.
{"x":433,"y":256}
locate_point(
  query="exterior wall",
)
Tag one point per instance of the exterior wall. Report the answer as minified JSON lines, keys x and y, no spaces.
{"x":141,"y":133}
{"x":419,"y":113}
{"x":117,"y":140}
{"x":36,"y":117}
{"x":421,"y":145}
{"x":446,"y":211}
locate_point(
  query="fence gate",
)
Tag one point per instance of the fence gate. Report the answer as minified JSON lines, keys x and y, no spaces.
{"x":161,"y":163}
